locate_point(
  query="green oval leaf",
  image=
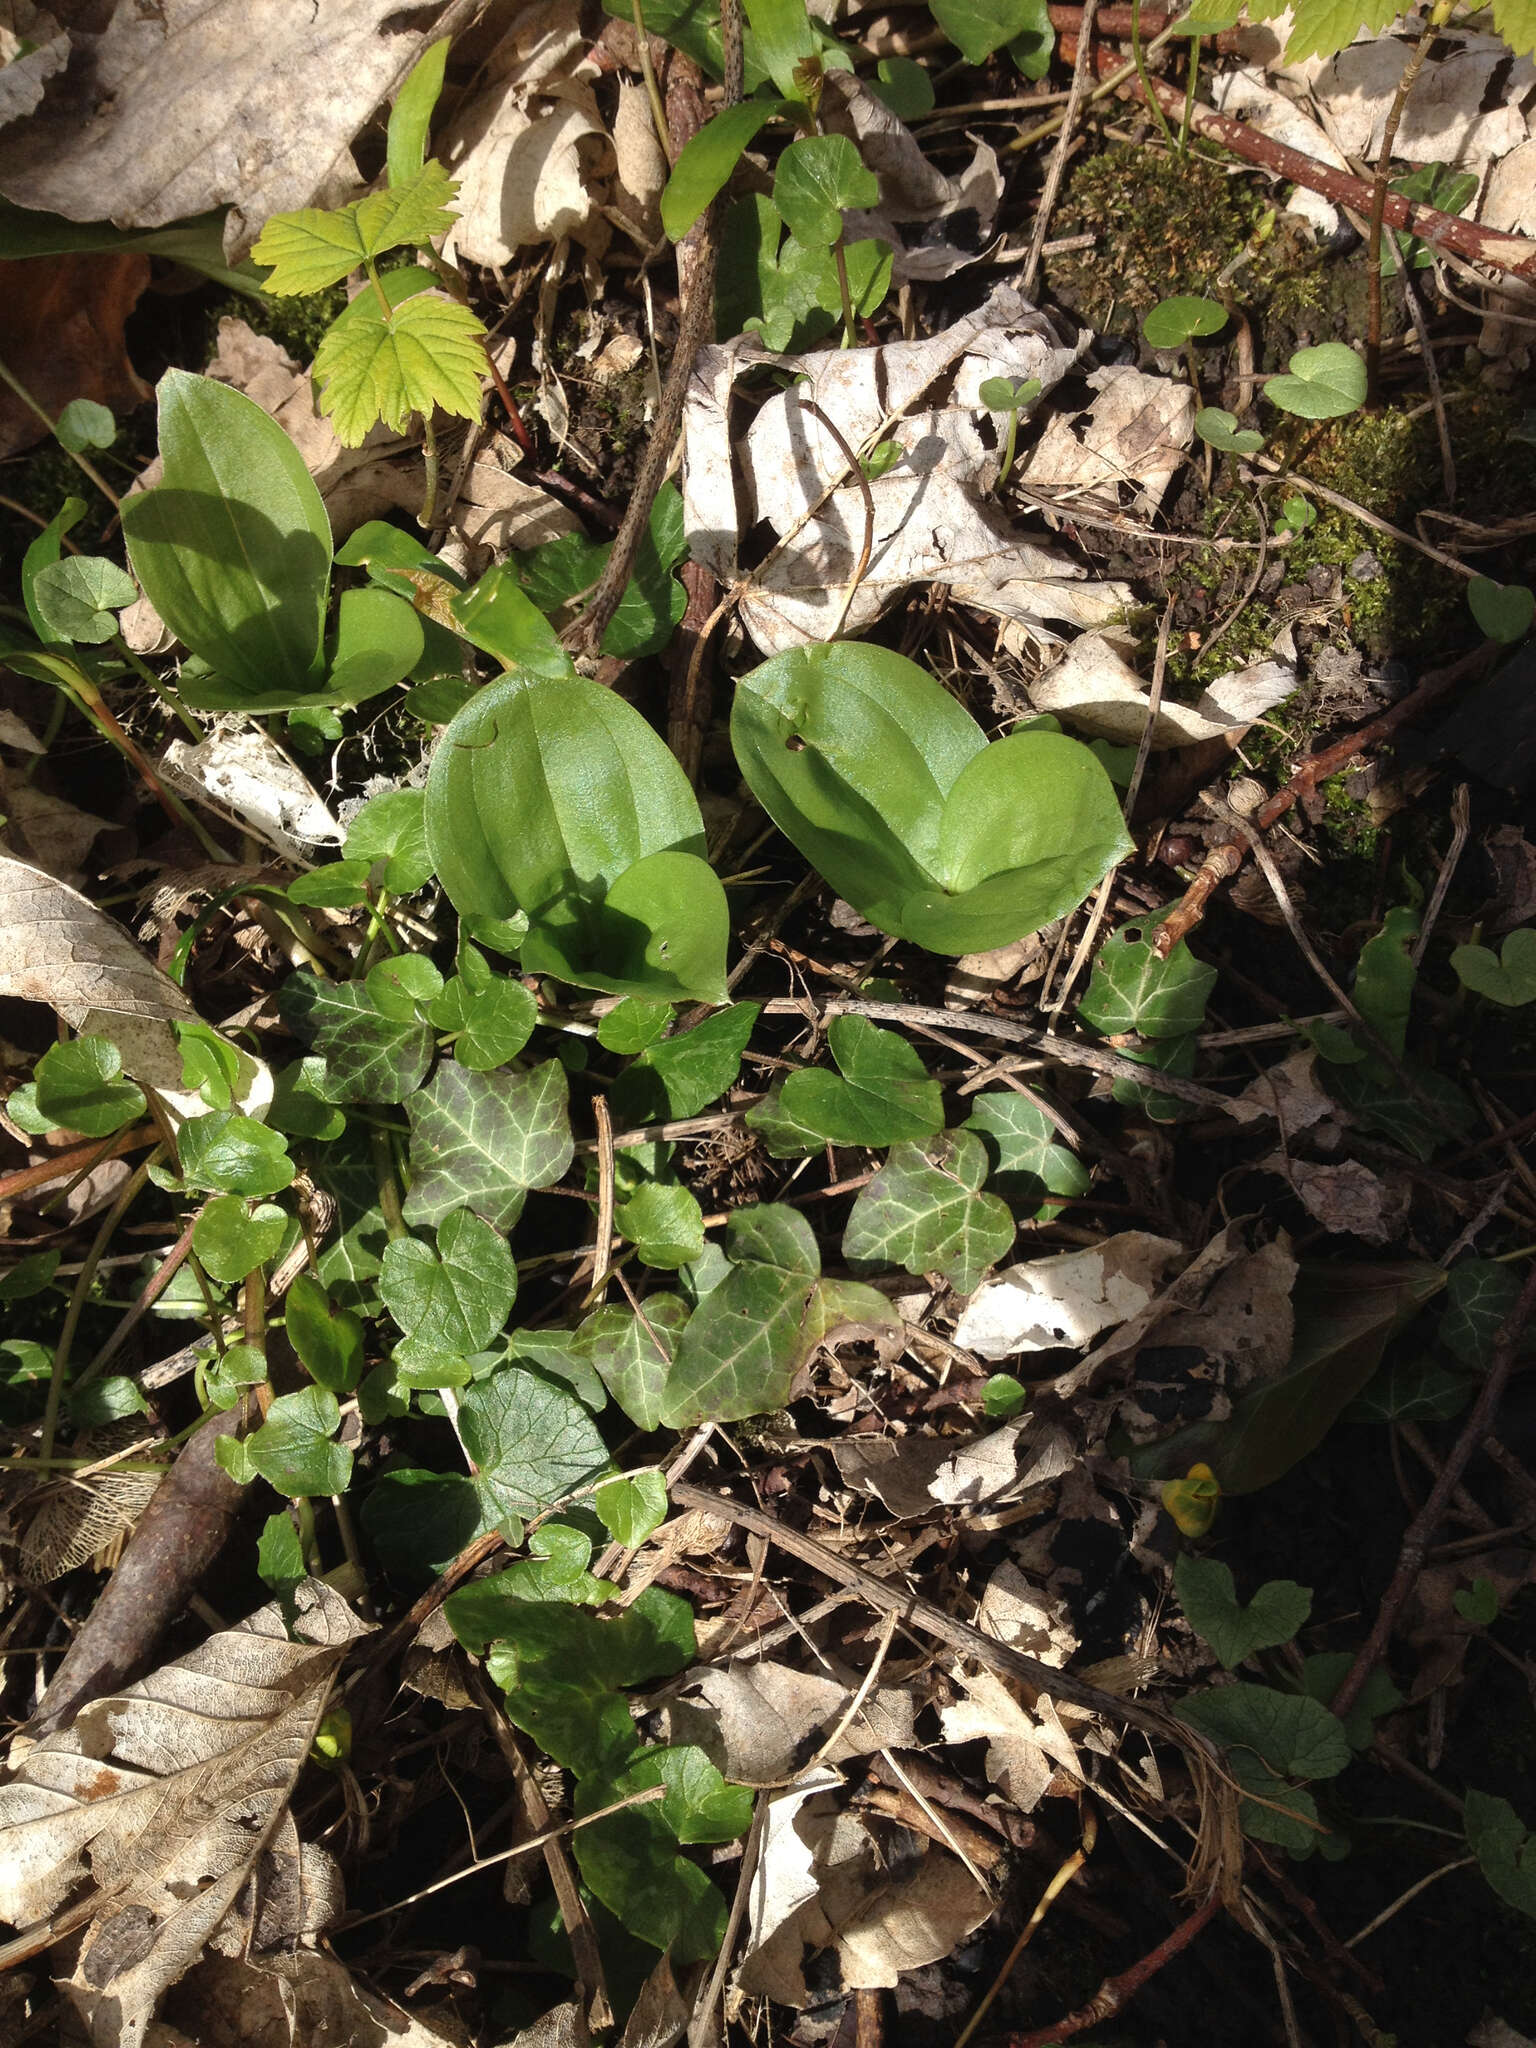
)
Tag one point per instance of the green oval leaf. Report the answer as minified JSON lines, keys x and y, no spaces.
{"x":559,"y":801}
{"x":1174,"y":321}
{"x":707,"y":160}
{"x":978,"y":27}
{"x":233,"y":547}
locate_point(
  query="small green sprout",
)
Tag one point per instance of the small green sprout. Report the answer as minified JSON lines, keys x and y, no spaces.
{"x":1005,"y":394}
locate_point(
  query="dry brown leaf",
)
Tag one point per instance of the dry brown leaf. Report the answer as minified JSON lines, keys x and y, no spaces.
{"x":564,"y":2026}
{"x":56,"y":947}
{"x":62,"y":321}
{"x":934,"y":520}
{"x":1245,"y":1323}
{"x":99,"y":146}
{"x":50,"y":831}
{"x":1024,"y":1749}
{"x":166,"y":1798}
{"x":1067,"y":1299}
{"x":659,"y":2017}
{"x":912,"y":192}
{"x":1348,"y":1199}
{"x":291,"y":2001}
{"x":759,"y":1720}
{"x":1125,"y":449}
{"x":1092,"y":688}
{"x":1292,"y":1094}
{"x":242,"y":771}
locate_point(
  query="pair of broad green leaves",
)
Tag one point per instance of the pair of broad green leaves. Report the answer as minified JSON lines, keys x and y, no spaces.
{"x":552,"y":799}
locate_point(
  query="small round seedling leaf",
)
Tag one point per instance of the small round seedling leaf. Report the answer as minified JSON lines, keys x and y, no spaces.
{"x":1008,"y":394}
{"x":632,"y":1505}
{"x":295,"y":1449}
{"x":1296,"y":515}
{"x":1324,"y":383}
{"x":85,"y":424}
{"x":816,"y":178}
{"x":79,"y":597}
{"x":1003,"y":1397}
{"x":1219,"y":429}
{"x":1503,"y":610}
{"x":1174,"y":321}
{"x":80,"y":1086}
{"x":403,"y":985}
{"x":232,"y":1237}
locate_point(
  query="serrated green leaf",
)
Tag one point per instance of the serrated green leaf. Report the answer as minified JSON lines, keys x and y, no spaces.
{"x":79,"y":598}
{"x":315,"y":247}
{"x":368,"y":1057}
{"x":339,"y":885}
{"x":1515,"y":21}
{"x":1025,"y":1148}
{"x":664,"y":1224}
{"x":1504,"y":1848}
{"x":817,"y":176}
{"x":480,"y":1140}
{"x":1212,"y":1609}
{"x":1321,"y":28}
{"x":679,"y":1076}
{"x":226,"y":1152}
{"x":1324,"y":383}
{"x":79,"y":1085}
{"x":1509,"y":978}
{"x":1480,"y":1295}
{"x":532,"y":1442}
{"x":328,"y":1340}
{"x":232,"y":1238}
{"x":1293,"y":1734}
{"x":632,"y":1351}
{"x":456,"y":1299}
{"x":633,"y":1506}
{"x":923,"y":1211}
{"x":294,"y":1450}
{"x":425,"y":351}
{"x":1132,"y":990}
{"x":882,"y":1094}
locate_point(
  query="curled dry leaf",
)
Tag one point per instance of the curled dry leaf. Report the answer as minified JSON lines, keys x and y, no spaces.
{"x":919,"y":205}
{"x":166,"y":1800}
{"x":760,"y":1720}
{"x":1348,"y":1199}
{"x":1066,"y":1300}
{"x":242,"y":771}
{"x":1094,"y":690}
{"x":1125,"y":449}
{"x":1468,"y":108}
{"x":56,"y":947}
{"x":286,"y":2001}
{"x":1246,"y":97}
{"x":933,"y":520}
{"x":95,"y":144}
{"x":911,"y":1476}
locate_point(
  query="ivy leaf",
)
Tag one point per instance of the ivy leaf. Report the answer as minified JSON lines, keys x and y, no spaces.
{"x":80,"y":1086}
{"x":883,"y":1094}
{"x":232,"y":1239}
{"x":294,"y":1449}
{"x":1504,"y":1848}
{"x":677,"y":1077}
{"x":665,"y":1224}
{"x":633,"y":1506}
{"x":1025,"y":1149}
{"x":1132,"y":990}
{"x":1421,"y":1114}
{"x":1293,"y":1734}
{"x":1479,"y":1296}
{"x":1411,"y":1390}
{"x":632,"y":1352}
{"x":226,"y":1151}
{"x":480,"y":1141}
{"x":313,"y":248}
{"x":457,"y":1298}
{"x":742,"y":1346}
{"x":479,"y":1613}
{"x":328,"y":1340}
{"x":391,"y":828}
{"x":630,"y":1859}
{"x":297,"y":1109}
{"x":634,"y":1023}
{"x":368,"y":1057}
{"x":653,"y":602}
{"x":1211,"y":1607}
{"x":531,"y":1441}
{"x":924,"y":1211}
{"x":373,"y":365}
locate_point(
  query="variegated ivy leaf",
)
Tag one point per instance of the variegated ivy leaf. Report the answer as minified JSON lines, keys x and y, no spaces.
{"x":368,"y":1057}
{"x":924,"y":1210}
{"x":480,"y":1140}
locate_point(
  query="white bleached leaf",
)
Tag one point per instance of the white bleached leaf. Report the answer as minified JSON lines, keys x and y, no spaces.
{"x":1467,"y":108}
{"x":242,"y":771}
{"x":1246,"y":96}
{"x":1067,"y":1300}
{"x":1093,"y":690}
{"x":1125,"y":449}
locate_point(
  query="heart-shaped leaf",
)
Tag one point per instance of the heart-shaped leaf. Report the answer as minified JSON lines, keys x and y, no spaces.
{"x":80,"y":1086}
{"x":1324,"y":383}
{"x":890,"y":790}
{"x":233,"y":547}
{"x":234,"y":1154}
{"x":79,"y":597}
{"x":481,"y":1140}
{"x":455,"y":1299}
{"x":1219,"y":429}
{"x":1209,"y":1598}
{"x":1509,"y":978}
{"x":530,"y":1441}
{"x":978,"y":27}
{"x":882,"y":1094}
{"x":1503,"y":610}
{"x":924,"y":1211}
{"x":816,"y":178}
{"x":1133,"y":990}
{"x":232,"y":1238}
{"x":295,"y":1449}
{"x":1174,"y":321}
{"x":559,"y":801}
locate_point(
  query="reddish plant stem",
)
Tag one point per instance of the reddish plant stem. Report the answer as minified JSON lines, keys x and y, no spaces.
{"x":1116,"y":1992}
{"x":1410,"y":1559}
{"x":62,"y":1164}
{"x":520,"y":433}
{"x":1115,"y":22}
{"x":1224,"y":859}
{"x":1464,"y":238}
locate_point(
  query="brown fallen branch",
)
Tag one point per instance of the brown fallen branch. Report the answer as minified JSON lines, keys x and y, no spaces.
{"x":1116,"y":22}
{"x":1224,"y":859}
{"x":1116,"y":1992}
{"x":177,"y":1537}
{"x":1410,"y":1559}
{"x":1464,"y":238}
{"x":77,"y":1159}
